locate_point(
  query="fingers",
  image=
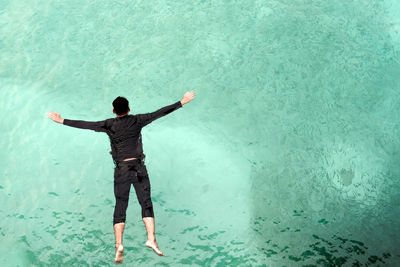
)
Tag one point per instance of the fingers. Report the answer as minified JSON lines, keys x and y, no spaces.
{"x":190,"y":94}
{"x":53,"y":116}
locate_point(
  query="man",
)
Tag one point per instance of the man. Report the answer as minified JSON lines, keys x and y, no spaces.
{"x":125,"y":136}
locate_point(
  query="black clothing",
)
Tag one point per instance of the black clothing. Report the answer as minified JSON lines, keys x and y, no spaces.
{"x":126,"y":142}
{"x":124,"y":132}
{"x":127,"y":173}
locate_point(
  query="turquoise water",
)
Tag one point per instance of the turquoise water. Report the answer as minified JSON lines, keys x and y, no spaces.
{"x":288,"y":156}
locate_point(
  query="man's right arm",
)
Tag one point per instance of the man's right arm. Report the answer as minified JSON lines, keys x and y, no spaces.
{"x":146,"y":118}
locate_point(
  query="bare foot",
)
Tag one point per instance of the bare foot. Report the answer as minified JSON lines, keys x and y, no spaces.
{"x":154,"y":246}
{"x":119,"y":254}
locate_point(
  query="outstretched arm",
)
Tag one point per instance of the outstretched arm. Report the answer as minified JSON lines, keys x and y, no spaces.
{"x":98,"y":126}
{"x":146,"y":118}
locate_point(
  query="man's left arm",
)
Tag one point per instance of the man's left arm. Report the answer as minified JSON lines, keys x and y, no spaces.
{"x":98,"y":126}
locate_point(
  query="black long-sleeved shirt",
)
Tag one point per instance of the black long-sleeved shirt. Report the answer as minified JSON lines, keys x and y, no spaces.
{"x":125,"y":132}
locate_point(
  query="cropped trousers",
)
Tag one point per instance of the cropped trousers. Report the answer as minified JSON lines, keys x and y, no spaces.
{"x":127,"y":173}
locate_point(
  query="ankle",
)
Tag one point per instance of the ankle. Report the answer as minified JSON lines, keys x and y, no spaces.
{"x":117,"y":245}
{"x":151,"y":239}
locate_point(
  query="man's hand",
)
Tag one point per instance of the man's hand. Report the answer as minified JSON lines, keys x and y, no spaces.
{"x":55,"y":116}
{"x":187,"y":97}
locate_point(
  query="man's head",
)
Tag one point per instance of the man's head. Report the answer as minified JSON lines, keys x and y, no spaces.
{"x":121,"y":105}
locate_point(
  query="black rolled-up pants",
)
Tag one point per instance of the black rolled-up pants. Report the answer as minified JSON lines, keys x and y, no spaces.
{"x":127,"y":173}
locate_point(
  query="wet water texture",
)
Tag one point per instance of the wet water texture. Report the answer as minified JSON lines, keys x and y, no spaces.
{"x":288,"y":156}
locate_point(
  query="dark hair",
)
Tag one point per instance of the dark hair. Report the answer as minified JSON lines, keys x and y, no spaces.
{"x":120,"y":105}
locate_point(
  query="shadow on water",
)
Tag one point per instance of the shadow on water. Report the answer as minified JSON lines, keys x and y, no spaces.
{"x":319,"y":250}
